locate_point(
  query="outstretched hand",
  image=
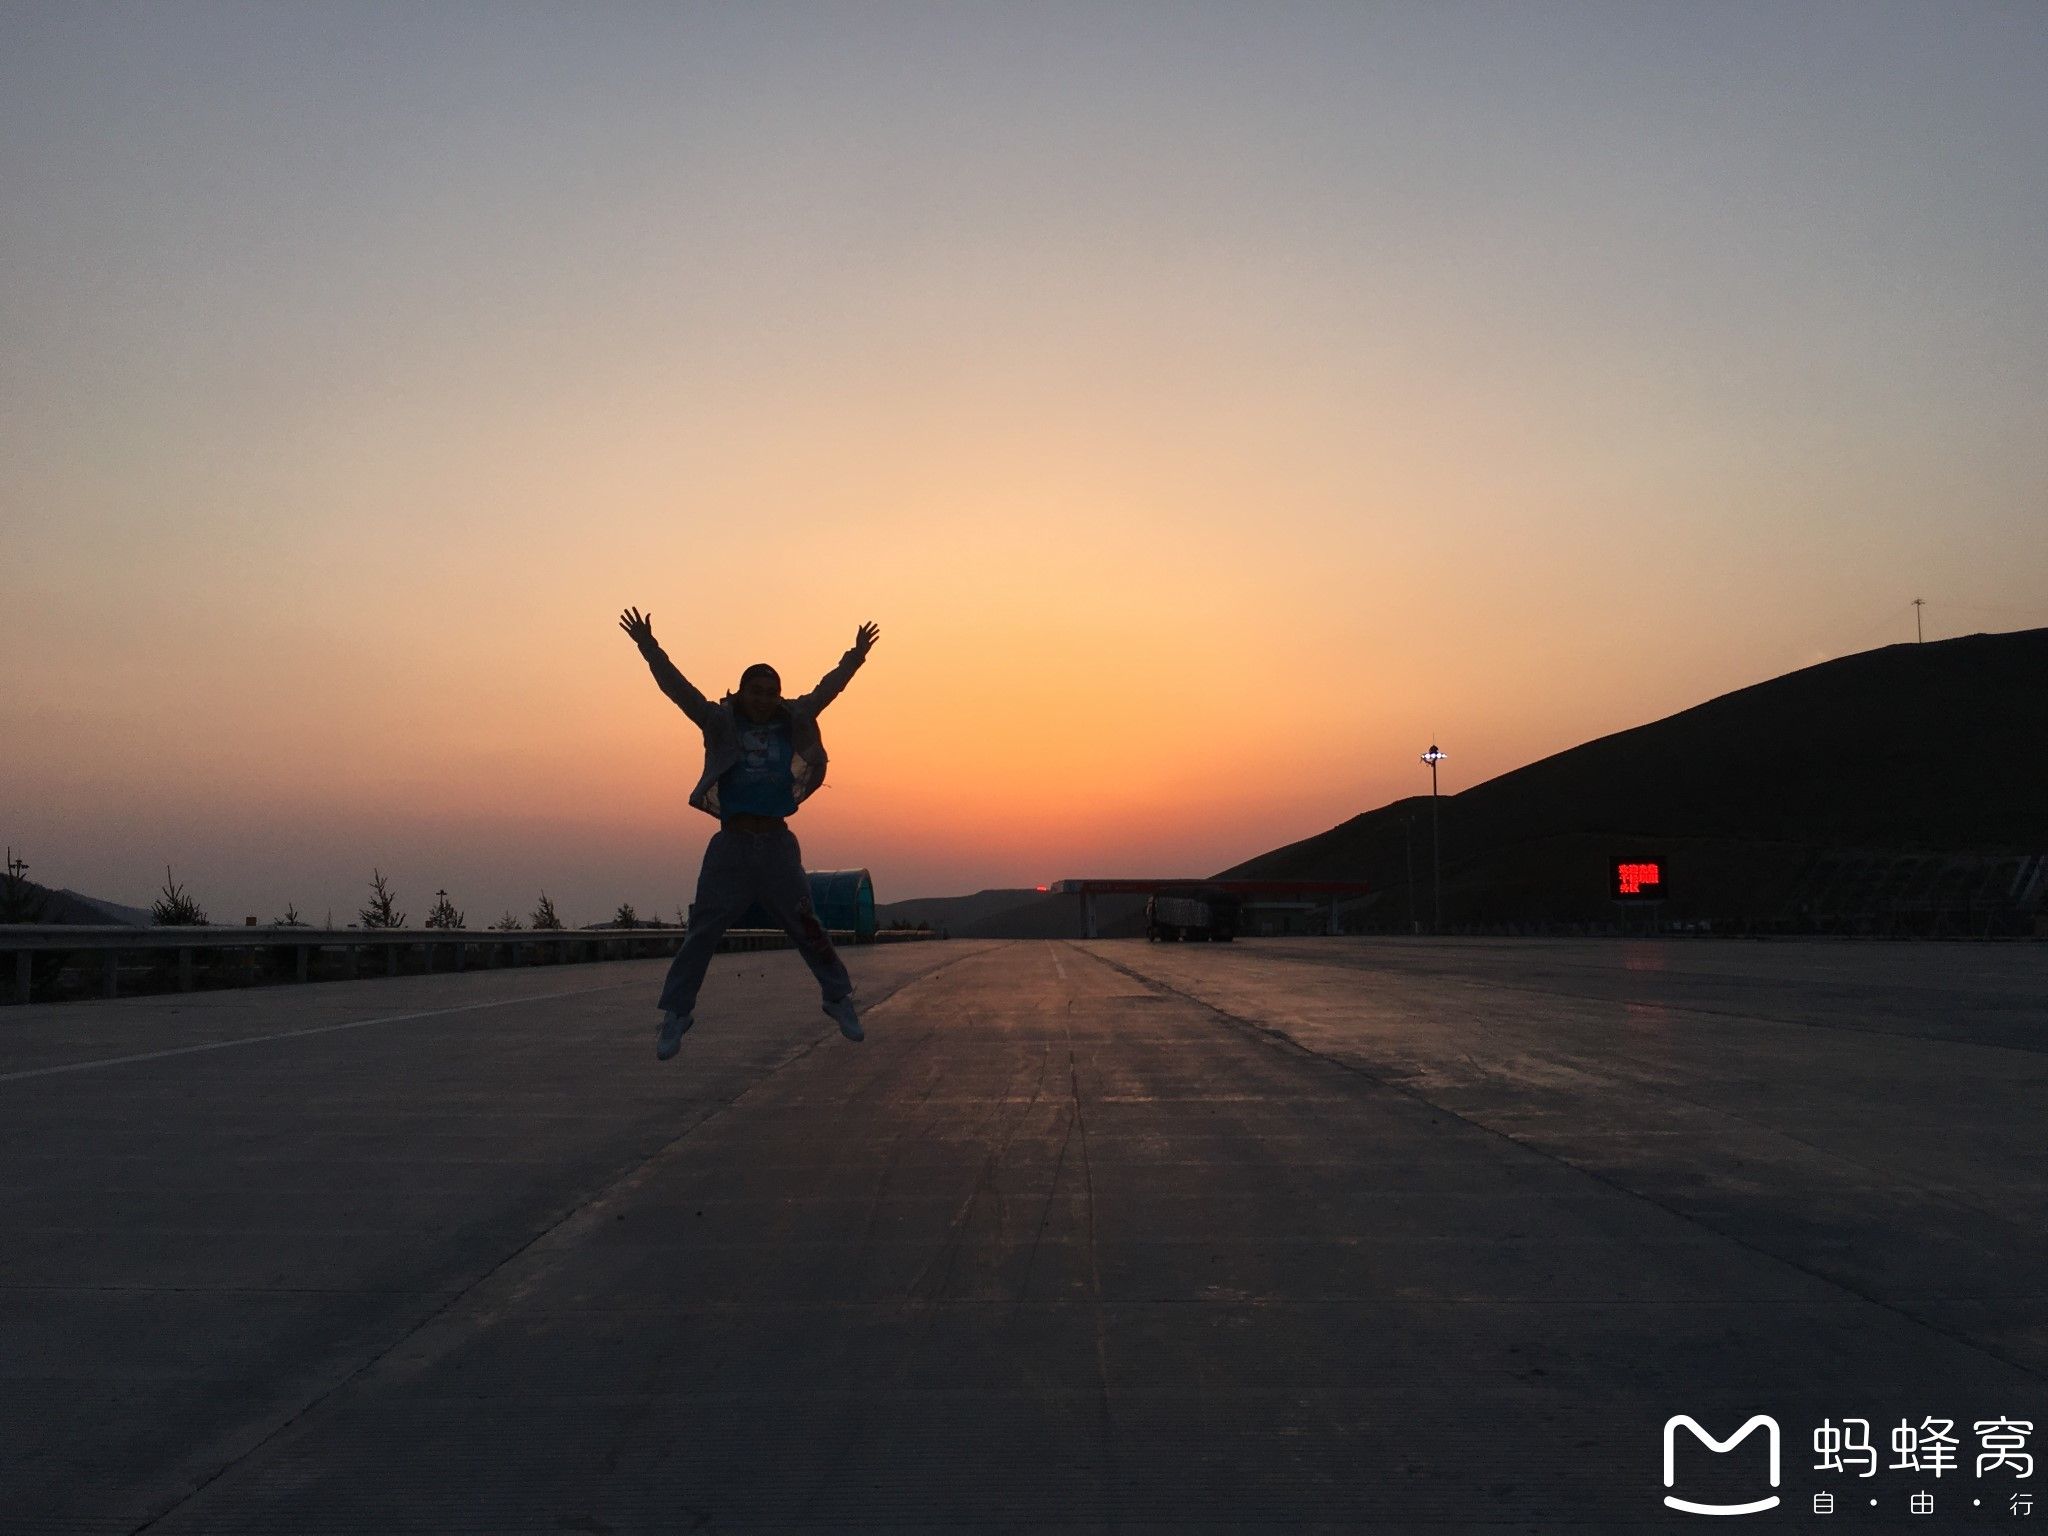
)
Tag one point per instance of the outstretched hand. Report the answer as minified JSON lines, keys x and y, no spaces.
{"x":864,"y":641}
{"x":640,"y":627}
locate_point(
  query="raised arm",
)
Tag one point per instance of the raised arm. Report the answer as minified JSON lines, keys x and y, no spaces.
{"x":830,"y":684}
{"x":640,"y":628}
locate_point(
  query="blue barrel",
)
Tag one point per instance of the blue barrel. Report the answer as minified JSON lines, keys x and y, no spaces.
{"x":844,"y":900}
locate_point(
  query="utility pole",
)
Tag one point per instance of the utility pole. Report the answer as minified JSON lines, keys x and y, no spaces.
{"x":1436,"y":847}
{"x":1918,"y":637}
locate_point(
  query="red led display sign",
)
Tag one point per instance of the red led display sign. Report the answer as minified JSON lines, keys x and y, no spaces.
{"x":1635,"y":878}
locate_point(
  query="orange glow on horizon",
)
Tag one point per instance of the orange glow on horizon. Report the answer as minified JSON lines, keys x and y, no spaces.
{"x":1265,"y":413}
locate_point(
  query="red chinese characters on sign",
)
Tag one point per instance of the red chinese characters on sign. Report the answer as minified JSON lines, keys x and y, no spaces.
{"x":1636,"y":879}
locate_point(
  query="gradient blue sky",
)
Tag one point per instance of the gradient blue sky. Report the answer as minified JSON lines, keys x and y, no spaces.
{"x":1507,"y":374}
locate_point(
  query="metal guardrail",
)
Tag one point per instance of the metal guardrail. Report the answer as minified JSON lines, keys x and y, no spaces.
{"x":516,"y":947}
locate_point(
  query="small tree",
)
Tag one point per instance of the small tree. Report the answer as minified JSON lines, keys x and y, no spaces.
{"x":175,"y":909}
{"x":508,"y":923}
{"x":544,"y":919}
{"x":626,"y":917}
{"x":444,"y":914}
{"x":291,"y":918}
{"x":382,"y":912}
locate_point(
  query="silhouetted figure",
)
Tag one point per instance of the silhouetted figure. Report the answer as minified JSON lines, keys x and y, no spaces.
{"x":762,"y":756}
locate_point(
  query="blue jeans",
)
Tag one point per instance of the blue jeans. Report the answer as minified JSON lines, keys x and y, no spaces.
{"x":741,"y":868}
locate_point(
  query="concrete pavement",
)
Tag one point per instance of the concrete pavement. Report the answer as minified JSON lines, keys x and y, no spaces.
{"x":1273,"y":1236}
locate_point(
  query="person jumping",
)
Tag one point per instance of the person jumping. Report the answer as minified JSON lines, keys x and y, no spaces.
{"x":762,"y":757}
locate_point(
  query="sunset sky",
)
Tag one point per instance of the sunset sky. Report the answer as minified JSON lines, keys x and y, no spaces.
{"x":1213,"y":404}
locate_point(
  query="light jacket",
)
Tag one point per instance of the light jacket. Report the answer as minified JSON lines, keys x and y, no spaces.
{"x":720,"y":724}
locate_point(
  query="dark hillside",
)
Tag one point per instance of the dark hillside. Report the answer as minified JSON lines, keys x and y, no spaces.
{"x":1938,"y":751}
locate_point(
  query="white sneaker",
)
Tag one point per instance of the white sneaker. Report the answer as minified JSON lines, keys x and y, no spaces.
{"x":848,"y":1020}
{"x":670,"y":1039}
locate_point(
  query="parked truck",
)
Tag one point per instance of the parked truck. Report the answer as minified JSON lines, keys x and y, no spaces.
{"x":1171,"y":918}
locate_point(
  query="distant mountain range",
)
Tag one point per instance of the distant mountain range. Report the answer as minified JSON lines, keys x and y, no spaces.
{"x":1017,"y":914}
{"x":67,"y":906}
{"x":955,"y":913}
{"x":138,"y":917}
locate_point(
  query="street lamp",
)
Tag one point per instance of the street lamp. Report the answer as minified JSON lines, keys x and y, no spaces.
{"x":1436,"y":862}
{"x":1408,"y":852}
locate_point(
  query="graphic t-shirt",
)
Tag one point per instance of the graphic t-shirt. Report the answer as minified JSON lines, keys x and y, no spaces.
{"x":759,"y":783}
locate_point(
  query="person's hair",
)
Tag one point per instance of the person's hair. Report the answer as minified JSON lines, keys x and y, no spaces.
{"x":772,"y":675}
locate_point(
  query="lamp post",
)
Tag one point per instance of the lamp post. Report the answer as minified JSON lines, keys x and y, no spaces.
{"x":1436,"y":863}
{"x":1408,"y":851}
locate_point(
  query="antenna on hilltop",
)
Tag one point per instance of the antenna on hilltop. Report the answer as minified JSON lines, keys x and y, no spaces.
{"x":1918,"y":637}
